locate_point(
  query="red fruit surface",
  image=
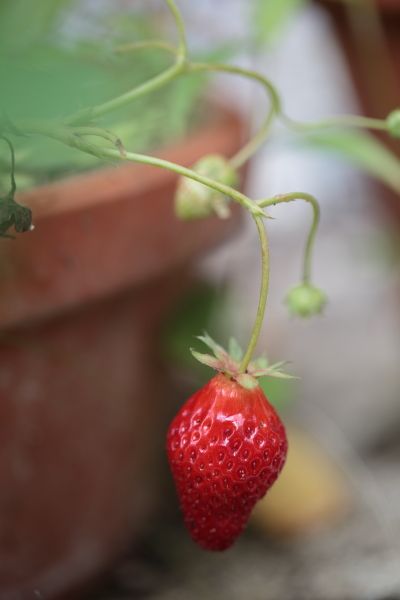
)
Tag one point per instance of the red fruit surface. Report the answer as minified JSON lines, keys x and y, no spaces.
{"x":226,"y":447}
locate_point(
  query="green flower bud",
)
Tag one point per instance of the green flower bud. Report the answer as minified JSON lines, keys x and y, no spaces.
{"x":194,"y":200}
{"x":393,"y":123}
{"x":305,"y":300}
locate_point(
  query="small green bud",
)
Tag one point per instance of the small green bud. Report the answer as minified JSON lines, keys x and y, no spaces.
{"x":194,"y":200}
{"x":305,"y":300}
{"x":393,"y":123}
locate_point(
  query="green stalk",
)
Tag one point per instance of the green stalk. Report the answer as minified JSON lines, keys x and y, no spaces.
{"x":146,"y":45}
{"x":254,"y":144}
{"x":180,"y":25}
{"x":185,"y":172}
{"x":357,"y":121}
{"x":67,"y":137}
{"x":281,"y":198}
{"x":262,"y":301}
{"x":147,"y":87}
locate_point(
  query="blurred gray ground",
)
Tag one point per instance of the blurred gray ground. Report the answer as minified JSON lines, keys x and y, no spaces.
{"x":359,"y":560}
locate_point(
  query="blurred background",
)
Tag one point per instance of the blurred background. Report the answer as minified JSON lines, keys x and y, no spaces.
{"x":101,"y":304}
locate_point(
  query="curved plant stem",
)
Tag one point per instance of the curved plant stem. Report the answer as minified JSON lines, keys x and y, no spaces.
{"x":69,"y":138}
{"x":262,"y":234}
{"x":153,"y":84}
{"x":99,"y":132}
{"x":185,"y":172}
{"x":281,"y":198}
{"x":180,"y":25}
{"x":275,"y":108}
{"x":13,"y":187}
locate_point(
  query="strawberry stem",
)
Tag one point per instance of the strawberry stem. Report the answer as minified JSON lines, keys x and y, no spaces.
{"x":263,"y":294}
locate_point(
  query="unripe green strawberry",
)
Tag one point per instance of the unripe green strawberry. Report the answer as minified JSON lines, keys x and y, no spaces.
{"x":305,"y":300}
{"x":193,"y":200}
{"x":226,"y":447}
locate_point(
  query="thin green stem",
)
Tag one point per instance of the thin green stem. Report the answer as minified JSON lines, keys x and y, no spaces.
{"x":98,"y":132}
{"x":180,"y":25}
{"x":254,"y":144}
{"x":255,"y":334}
{"x":68,"y":137}
{"x":12,"y":166}
{"x":339,"y":121}
{"x":290,"y":197}
{"x":185,"y":172}
{"x":151,"y":85}
{"x":146,"y":45}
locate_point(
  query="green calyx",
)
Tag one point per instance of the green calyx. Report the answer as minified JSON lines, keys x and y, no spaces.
{"x":305,"y":300}
{"x":393,"y":123}
{"x":193,"y":200}
{"x":228,"y":363}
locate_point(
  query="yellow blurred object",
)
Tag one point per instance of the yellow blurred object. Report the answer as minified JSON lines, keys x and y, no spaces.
{"x":311,"y":492}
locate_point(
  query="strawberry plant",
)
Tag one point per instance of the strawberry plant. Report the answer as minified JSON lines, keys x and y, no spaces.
{"x":227,"y":445}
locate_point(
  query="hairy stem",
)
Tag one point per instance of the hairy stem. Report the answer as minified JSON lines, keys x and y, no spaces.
{"x":255,"y":334}
{"x":67,"y":136}
{"x":290,"y":197}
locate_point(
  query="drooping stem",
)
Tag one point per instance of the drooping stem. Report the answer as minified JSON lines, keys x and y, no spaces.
{"x":67,"y":137}
{"x":243,"y":155}
{"x":13,"y":186}
{"x":255,"y":334}
{"x":290,"y":197}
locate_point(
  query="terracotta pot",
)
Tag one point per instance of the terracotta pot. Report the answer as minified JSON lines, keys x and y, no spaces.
{"x":81,"y":388}
{"x":370,"y":38}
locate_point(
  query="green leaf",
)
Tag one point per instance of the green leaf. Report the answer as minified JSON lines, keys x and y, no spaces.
{"x":364,"y":151}
{"x":270,"y":16}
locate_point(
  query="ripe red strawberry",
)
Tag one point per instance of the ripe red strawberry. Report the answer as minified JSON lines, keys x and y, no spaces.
{"x":226,"y":447}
